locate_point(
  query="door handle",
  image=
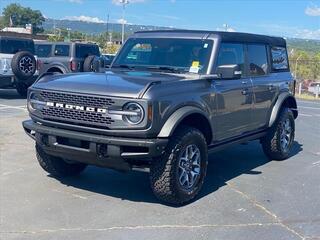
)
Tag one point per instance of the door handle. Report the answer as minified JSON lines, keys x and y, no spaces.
{"x":244,"y":92}
{"x":244,"y":82}
{"x":271,"y":87}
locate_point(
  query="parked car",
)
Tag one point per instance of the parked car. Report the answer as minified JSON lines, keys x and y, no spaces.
{"x":314,"y":88}
{"x":18,"y":64}
{"x":108,"y":58}
{"x":169,"y":98}
{"x":67,"y":57}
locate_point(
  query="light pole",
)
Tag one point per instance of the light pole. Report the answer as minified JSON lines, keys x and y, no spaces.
{"x":296,"y":66}
{"x":69,"y":34}
{"x":124,"y":3}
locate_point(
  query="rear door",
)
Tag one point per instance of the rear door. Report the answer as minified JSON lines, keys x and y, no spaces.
{"x":264,"y":87}
{"x":61,"y":55}
{"x":234,"y":100}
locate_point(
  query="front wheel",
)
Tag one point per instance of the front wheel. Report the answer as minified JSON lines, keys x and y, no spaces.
{"x":178,"y":175}
{"x":279,"y":139}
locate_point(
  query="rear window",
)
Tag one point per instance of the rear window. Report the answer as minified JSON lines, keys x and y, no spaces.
{"x":12,"y":46}
{"x":258,"y":61}
{"x":43,"y":50}
{"x":279,"y":58}
{"x":82,"y":51}
{"x":62,"y":50}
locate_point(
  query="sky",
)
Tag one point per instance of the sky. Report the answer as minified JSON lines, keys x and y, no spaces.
{"x":288,"y":18}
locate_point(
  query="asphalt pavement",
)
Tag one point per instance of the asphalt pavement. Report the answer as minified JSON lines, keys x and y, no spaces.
{"x":245,"y":196}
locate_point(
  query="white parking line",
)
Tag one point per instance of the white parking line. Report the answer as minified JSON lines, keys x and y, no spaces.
{"x":309,"y":107}
{"x":23,"y":108}
{"x":305,"y":115}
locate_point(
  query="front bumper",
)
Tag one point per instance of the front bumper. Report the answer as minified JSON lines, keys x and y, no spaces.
{"x":106,"y":151}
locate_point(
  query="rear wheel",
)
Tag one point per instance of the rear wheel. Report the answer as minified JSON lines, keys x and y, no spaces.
{"x":178,"y":176}
{"x":56,"y":166}
{"x":279,"y":139}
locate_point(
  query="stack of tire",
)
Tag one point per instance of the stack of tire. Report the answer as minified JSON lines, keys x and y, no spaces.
{"x":23,"y":66}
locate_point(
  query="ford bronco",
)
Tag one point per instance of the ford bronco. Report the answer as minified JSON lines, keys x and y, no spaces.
{"x":168,"y":99}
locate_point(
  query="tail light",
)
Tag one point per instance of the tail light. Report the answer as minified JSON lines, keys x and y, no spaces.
{"x":39,"y":64}
{"x":73,"y":65}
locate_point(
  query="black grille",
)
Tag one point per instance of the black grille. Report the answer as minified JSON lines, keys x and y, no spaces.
{"x":89,"y":101}
{"x":73,"y":116}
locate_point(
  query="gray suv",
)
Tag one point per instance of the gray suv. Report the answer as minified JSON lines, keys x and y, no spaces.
{"x":66,"y":57}
{"x":168,"y":99}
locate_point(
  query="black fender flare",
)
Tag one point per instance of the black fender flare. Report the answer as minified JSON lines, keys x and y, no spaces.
{"x":176,"y":118}
{"x":59,"y":66}
{"x":277,"y":106}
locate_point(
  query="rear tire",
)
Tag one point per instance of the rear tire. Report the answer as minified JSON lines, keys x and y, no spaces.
{"x":57,"y":166}
{"x":91,"y":64}
{"x":185,"y":159}
{"x":23,"y":65}
{"x":278,"y":141}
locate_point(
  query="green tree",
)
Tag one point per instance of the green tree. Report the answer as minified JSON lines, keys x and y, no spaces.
{"x":19,"y":16}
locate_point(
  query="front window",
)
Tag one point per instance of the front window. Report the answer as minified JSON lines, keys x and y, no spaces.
{"x":174,"y":55}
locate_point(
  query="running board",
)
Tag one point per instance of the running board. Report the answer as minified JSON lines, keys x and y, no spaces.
{"x":223,"y":145}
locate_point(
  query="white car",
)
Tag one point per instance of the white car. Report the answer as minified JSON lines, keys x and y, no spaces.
{"x":18,"y":65}
{"x":314,"y":88}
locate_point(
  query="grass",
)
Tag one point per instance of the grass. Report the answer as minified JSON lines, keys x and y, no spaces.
{"x":307,"y":97}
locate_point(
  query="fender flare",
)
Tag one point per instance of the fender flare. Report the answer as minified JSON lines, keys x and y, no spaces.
{"x":59,"y":66}
{"x":277,"y":106}
{"x":175,"y":119}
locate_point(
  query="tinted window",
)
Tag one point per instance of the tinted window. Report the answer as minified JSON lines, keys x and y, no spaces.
{"x":279,"y":58}
{"x":12,"y":46}
{"x":82,"y":51}
{"x":184,"y":55}
{"x":43,"y":50}
{"x":62,"y":50}
{"x":231,"y":53}
{"x":258,"y":62}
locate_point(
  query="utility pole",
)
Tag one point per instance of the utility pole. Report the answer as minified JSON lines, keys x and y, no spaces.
{"x":107,"y":27}
{"x":124,"y":3}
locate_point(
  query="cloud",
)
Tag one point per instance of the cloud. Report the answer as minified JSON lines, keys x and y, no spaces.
{"x":313,"y":11}
{"x":118,"y":2}
{"x":164,"y":16}
{"x":84,"y":19}
{"x":75,"y":1}
{"x":226,"y":28}
{"x":121,"y":21}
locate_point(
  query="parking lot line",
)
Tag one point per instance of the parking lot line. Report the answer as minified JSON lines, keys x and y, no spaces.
{"x":23,"y":107}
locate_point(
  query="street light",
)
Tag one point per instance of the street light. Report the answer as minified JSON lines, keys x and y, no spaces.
{"x":296,"y":66}
{"x":124,"y":3}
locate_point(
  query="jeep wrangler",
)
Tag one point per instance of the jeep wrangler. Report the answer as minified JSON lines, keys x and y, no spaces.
{"x":18,"y":65}
{"x":168,"y":99}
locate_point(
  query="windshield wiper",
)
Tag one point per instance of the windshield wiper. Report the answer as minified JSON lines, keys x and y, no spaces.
{"x":165,"y":68}
{"x":123,"y":66}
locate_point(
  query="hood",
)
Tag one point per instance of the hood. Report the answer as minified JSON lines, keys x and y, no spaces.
{"x":113,"y":83}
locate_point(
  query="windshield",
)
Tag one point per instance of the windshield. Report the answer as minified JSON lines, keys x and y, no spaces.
{"x":174,"y":55}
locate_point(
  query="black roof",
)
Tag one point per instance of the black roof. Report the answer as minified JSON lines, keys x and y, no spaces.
{"x":225,"y":36}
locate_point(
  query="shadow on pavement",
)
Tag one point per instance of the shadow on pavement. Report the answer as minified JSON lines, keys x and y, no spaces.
{"x":10,"y":94}
{"x":134,"y":186}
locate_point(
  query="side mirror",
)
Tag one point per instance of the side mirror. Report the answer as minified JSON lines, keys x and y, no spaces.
{"x":231,"y":71}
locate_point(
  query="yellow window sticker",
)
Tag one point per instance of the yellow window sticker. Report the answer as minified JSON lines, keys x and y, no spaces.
{"x":195,"y":64}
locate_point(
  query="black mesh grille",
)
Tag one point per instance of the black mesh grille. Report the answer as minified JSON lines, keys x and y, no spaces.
{"x":73,"y":116}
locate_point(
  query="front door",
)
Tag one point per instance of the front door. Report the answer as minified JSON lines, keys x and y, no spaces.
{"x":233,"y":98}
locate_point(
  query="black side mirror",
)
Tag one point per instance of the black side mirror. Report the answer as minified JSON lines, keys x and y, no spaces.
{"x":231,"y":71}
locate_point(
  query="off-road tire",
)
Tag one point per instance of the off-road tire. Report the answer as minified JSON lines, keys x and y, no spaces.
{"x":271,"y":143}
{"x":28,"y":67}
{"x":91,"y":64}
{"x":57,"y":166}
{"x":22,"y":88}
{"x":164,"y":171}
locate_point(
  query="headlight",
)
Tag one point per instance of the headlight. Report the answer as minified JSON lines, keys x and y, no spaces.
{"x":35,"y":102}
{"x":133,"y":113}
